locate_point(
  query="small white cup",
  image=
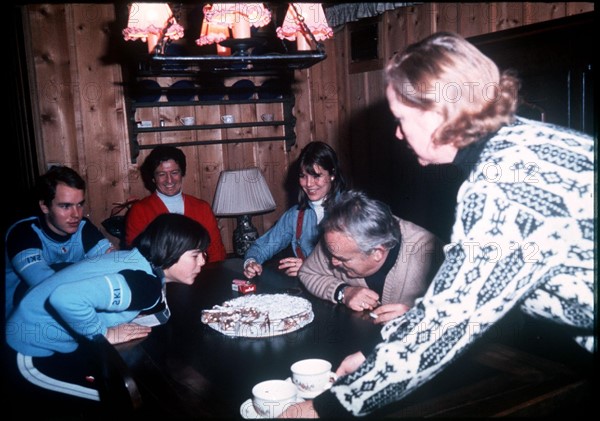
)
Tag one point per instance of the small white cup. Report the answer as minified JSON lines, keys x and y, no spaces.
{"x":312,"y":375}
{"x":227,"y":119}
{"x":188,"y":121}
{"x":271,"y":397}
{"x":267,"y":117}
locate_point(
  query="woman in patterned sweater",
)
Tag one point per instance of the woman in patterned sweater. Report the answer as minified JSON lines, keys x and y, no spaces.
{"x":524,"y":231}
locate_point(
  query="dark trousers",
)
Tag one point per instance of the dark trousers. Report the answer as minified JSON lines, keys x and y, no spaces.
{"x":25,"y":398}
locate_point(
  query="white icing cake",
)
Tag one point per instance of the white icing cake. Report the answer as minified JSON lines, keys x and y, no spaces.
{"x":259,"y":315}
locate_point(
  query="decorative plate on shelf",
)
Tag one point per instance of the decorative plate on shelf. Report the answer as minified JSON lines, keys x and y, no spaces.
{"x":212,"y":91}
{"x":242,"y":89}
{"x":259,"y":315}
{"x":182,"y":90}
{"x":271,"y":89}
{"x":147,"y":90}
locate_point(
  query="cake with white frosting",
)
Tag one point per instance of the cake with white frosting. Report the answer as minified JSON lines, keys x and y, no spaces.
{"x":259,"y":315}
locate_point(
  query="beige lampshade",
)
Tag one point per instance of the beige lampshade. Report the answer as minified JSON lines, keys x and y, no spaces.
{"x":148,"y":21}
{"x":239,"y":17}
{"x":242,"y":192}
{"x":313,"y":16}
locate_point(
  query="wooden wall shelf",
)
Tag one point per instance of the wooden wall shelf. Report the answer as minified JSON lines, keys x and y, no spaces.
{"x":286,"y":99}
{"x":240,"y":65}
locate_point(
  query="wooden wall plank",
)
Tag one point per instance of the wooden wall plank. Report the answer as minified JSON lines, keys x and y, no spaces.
{"x":100,"y":120}
{"x":473,"y":19}
{"x":446,"y":16}
{"x":395,"y":31}
{"x":506,"y":15}
{"x":420,"y":22}
{"x":539,"y":12}
{"x":338,"y":51}
{"x":53,"y":86}
{"x":575,"y":8}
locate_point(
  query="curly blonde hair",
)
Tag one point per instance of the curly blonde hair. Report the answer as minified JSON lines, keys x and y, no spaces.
{"x":447,"y":74}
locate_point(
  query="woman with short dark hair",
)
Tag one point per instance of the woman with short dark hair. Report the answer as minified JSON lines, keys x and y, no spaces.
{"x":163,"y":171}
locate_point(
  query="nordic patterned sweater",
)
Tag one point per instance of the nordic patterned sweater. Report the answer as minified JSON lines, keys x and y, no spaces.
{"x":523,"y":237}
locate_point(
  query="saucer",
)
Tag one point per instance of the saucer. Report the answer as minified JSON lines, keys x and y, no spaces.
{"x":312,"y":395}
{"x":248,"y":412}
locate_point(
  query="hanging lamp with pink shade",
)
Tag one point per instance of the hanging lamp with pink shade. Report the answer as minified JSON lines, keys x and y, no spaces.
{"x":240,"y":17}
{"x":230,"y":26}
{"x":151,"y":22}
{"x":305,"y":23}
{"x":214,"y":33}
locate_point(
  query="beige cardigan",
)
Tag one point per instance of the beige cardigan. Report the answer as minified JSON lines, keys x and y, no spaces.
{"x":420,"y":256}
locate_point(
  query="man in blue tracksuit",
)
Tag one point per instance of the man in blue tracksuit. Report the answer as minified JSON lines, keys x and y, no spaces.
{"x":38,"y":246}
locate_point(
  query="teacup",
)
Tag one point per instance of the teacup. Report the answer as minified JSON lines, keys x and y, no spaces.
{"x":187,"y":121}
{"x":267,"y":117}
{"x":227,"y":119}
{"x":312,"y":375}
{"x":271,"y":397}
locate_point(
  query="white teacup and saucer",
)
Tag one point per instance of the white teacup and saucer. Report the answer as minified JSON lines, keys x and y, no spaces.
{"x":269,"y":399}
{"x":312,"y":377}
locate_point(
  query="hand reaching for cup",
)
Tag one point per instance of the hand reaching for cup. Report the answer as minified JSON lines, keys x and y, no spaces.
{"x":350,"y":364}
{"x":291,"y":265}
{"x":303,"y":409}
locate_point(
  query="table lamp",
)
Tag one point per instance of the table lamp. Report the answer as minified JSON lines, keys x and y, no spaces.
{"x":242,"y":193}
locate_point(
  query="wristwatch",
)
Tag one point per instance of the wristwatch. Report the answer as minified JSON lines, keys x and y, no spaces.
{"x":339,"y":293}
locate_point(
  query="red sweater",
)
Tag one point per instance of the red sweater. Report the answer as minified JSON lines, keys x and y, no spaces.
{"x":145,"y":210}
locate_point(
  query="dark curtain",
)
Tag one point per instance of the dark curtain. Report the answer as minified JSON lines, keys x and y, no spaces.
{"x":20,"y":141}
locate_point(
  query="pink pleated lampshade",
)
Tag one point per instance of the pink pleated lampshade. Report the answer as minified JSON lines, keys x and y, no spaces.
{"x":212,"y":33}
{"x":239,"y":17}
{"x":313,"y":16}
{"x":147,"y":21}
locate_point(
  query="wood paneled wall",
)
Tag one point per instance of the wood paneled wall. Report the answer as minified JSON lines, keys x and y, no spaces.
{"x":79,"y":108}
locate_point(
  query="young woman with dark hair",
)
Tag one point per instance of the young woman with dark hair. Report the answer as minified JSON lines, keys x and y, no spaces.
{"x":320,"y":179}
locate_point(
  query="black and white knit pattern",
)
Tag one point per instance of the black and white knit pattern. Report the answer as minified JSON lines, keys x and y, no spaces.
{"x":523,"y":236}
